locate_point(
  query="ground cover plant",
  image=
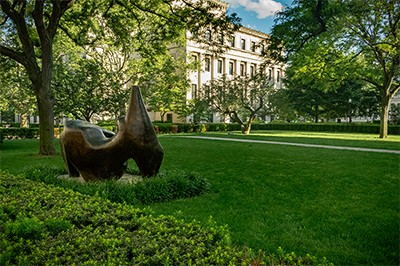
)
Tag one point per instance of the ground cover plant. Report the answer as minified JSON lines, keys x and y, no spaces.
{"x":47,"y":225}
{"x":44,"y":225}
{"x":343,"y":205}
{"x":165,"y":186}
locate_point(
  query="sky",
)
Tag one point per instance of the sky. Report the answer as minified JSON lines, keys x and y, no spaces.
{"x":257,"y":14}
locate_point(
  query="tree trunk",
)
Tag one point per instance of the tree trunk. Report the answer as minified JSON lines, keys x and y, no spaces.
{"x":316,"y":113}
{"x":384,"y":116}
{"x":246,"y":128}
{"x":45,"y":101}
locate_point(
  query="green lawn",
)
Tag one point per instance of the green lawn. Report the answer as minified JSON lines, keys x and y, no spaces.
{"x":344,"y":205}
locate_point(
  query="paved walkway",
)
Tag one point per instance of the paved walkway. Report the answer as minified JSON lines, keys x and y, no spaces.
{"x":296,"y":144}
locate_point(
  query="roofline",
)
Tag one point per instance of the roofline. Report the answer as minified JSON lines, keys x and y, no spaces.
{"x":253,"y":32}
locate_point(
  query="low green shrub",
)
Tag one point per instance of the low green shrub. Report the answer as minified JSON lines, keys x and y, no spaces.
{"x":19,"y":133}
{"x":93,"y":231}
{"x":47,"y":225}
{"x":328,"y":127}
{"x":163,"y":127}
{"x":166,"y":186}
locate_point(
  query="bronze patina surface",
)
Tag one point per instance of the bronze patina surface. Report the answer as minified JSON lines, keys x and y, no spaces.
{"x":98,"y":154}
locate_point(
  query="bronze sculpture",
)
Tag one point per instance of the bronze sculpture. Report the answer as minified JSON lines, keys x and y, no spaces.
{"x":97,"y":154}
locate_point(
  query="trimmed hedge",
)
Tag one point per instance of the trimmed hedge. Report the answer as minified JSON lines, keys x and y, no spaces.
{"x":46,"y":225}
{"x":321,"y":127}
{"x":19,"y":133}
{"x":25,"y":133}
{"x":168,"y":128}
{"x":328,"y":127}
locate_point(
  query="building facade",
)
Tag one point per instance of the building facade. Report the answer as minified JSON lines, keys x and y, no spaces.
{"x":242,"y":56}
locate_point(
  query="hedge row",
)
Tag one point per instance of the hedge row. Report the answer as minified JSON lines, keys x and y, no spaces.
{"x":321,"y":127}
{"x":328,"y":127}
{"x":22,"y":133}
{"x":47,"y":225}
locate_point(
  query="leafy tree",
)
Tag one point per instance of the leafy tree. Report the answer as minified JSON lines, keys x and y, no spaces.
{"x":367,"y":31}
{"x":14,"y":90}
{"x":164,"y":84}
{"x":27,"y":32}
{"x":316,"y":89}
{"x":88,"y":82}
{"x":281,"y":106}
{"x":241,"y":98}
{"x":28,"y":29}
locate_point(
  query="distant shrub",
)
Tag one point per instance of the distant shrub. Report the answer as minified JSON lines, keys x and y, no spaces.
{"x":328,"y":127}
{"x":163,"y":127}
{"x":19,"y":133}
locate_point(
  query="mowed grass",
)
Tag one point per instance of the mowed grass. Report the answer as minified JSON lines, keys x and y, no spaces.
{"x":344,"y":205}
{"x":322,"y":138}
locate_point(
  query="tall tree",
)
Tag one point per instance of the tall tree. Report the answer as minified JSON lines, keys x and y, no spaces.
{"x":27,"y":31}
{"x":15,"y":90}
{"x":28,"y":28}
{"x":164,"y":84}
{"x":241,"y":98}
{"x":365,"y":29}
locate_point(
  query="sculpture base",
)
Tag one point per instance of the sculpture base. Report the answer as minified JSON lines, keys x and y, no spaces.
{"x":126,"y":178}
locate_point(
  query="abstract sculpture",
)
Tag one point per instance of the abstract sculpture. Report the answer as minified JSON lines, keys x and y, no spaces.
{"x":97,"y":154}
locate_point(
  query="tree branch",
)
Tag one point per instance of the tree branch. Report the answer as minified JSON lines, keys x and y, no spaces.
{"x":19,"y":57}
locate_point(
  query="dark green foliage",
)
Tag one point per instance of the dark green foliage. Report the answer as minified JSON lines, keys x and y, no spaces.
{"x":166,"y":186}
{"x":321,"y":127}
{"x":19,"y":133}
{"x":26,"y":228}
{"x":61,"y":227}
{"x":167,"y":128}
{"x":47,"y":225}
{"x":327,"y":127}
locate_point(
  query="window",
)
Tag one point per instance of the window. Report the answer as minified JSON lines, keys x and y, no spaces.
{"x":207,"y":66}
{"x":194,"y":58}
{"x":232,"y":41}
{"x":252,"y":70}
{"x":219,"y":67}
{"x":243,"y":44}
{"x":278,"y":76}
{"x":253,"y":46}
{"x":230,"y":68}
{"x":194,"y":91}
{"x":242,"y":69}
{"x":169,"y":117}
{"x":208,"y":35}
{"x":270,"y":74}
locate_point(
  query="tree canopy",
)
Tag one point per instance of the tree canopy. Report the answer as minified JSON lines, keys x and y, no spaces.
{"x":366,"y":32}
{"x":240,"y":98}
{"x":28,"y":30}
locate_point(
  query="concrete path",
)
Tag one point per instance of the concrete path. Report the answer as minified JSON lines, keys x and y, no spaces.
{"x":296,"y":144}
